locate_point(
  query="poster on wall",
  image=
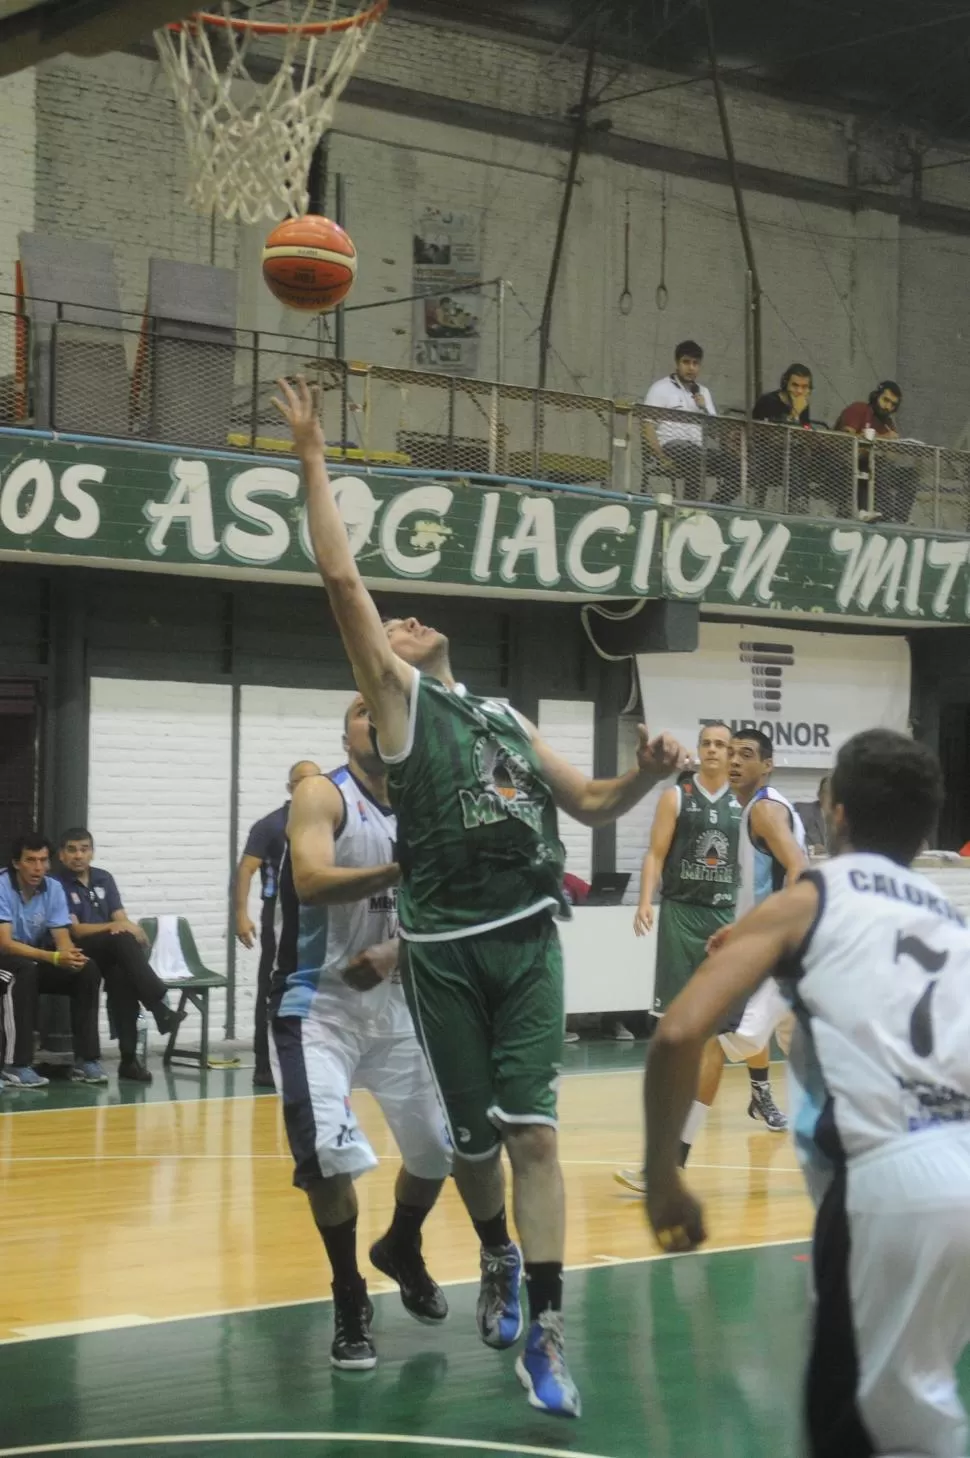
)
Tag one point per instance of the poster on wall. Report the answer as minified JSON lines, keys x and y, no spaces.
{"x":447,"y":324}
{"x":809,"y":692}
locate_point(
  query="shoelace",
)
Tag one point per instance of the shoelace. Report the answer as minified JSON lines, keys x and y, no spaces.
{"x":497,"y":1269}
{"x":553,"y":1341}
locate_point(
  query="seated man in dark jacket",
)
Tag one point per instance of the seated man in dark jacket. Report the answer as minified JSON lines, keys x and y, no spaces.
{"x":116,"y":945}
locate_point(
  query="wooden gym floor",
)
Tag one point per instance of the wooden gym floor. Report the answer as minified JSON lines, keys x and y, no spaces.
{"x":162,"y":1288}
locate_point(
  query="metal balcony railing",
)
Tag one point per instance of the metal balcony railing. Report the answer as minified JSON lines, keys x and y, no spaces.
{"x":157,"y":380}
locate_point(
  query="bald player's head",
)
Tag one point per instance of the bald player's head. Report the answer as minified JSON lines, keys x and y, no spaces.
{"x":302,"y":770}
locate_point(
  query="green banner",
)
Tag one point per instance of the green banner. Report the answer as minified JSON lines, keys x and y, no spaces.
{"x":126,"y":506}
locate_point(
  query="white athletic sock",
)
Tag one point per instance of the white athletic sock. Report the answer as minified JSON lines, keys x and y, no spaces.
{"x":695,"y":1121}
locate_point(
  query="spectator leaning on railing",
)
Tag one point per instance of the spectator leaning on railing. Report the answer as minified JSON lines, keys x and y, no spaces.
{"x":875,"y":419}
{"x":789,"y":405}
{"x":33,"y":912}
{"x":679,"y":447}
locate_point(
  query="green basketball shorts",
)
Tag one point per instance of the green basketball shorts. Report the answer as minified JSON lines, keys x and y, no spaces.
{"x":682,"y":934}
{"x":489,"y":1013}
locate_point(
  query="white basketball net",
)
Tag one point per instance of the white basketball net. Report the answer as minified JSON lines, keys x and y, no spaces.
{"x":251,"y":140}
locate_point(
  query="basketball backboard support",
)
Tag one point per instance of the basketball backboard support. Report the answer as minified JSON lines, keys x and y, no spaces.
{"x":36,"y":30}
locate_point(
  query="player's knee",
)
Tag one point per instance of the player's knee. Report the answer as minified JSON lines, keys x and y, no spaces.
{"x":531,"y":1144}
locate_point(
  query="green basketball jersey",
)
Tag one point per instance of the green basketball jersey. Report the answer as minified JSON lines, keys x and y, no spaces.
{"x":702,"y":865}
{"x":478,"y":837}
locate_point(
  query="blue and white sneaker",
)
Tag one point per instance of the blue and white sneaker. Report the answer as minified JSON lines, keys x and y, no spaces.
{"x":542,"y":1368}
{"x":499,"y":1311}
{"x":90,"y":1072}
{"x":24,"y":1078}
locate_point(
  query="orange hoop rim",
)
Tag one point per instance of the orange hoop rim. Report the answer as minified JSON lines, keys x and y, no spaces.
{"x":270,"y":27}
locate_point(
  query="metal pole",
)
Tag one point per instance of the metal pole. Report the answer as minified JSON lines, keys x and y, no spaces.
{"x":254,"y":393}
{"x":579,"y":135}
{"x":738,"y":202}
{"x":340,"y":199}
{"x":500,"y":331}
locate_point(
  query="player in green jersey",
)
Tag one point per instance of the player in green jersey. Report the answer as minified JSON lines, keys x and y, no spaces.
{"x":476,"y":791}
{"x":693,"y":854}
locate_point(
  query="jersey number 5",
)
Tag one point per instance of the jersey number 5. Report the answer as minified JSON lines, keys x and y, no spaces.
{"x":932,"y":962}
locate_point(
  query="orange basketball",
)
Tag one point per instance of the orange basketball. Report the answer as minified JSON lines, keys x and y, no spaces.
{"x":310,"y":263}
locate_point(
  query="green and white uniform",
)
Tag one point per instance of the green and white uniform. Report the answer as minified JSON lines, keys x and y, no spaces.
{"x":699,"y":886}
{"x":481,"y":876}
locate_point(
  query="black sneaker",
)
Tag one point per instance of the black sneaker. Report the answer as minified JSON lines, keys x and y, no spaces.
{"x":763,"y":1106}
{"x":422,"y":1297}
{"x":167,"y":1018}
{"x":134,"y":1072}
{"x":352,"y":1349}
{"x":263,"y":1078}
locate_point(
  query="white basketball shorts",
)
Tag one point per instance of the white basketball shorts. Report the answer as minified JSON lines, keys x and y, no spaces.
{"x":763,"y":1011}
{"x":892,"y":1282}
{"x":317,"y":1061}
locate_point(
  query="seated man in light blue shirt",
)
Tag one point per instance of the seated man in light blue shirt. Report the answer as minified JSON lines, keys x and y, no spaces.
{"x":33,"y":912}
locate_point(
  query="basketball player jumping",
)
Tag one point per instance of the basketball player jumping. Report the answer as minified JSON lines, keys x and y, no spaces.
{"x":693,"y":853}
{"x":476,"y":791}
{"x":877,"y":965}
{"x":340,"y":1021}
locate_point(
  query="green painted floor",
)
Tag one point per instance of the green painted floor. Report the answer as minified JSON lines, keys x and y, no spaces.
{"x":696,"y":1356}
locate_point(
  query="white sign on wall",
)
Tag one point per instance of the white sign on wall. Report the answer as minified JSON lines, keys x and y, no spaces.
{"x":809,"y":692}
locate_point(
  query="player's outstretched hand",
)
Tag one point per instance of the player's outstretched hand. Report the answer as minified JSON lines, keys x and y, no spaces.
{"x":299,"y":405}
{"x":676,"y":1217}
{"x":662,"y":756}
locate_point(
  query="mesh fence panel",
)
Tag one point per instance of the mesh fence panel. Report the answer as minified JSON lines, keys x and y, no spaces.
{"x":14,"y":356}
{"x":904,"y":483}
{"x":764,"y":467}
{"x":952,"y":504}
{"x":172,"y":385}
{"x":575,"y":440}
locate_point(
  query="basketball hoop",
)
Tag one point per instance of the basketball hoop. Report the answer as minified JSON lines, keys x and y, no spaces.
{"x":251,"y":139}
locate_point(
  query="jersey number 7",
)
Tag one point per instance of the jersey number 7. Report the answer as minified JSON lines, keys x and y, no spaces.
{"x":932,"y":962}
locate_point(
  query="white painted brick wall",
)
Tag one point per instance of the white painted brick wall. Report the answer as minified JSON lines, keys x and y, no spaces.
{"x":277,"y":727}
{"x":159,"y":796}
{"x":111,"y":165}
{"x":18,"y":143}
{"x":839,"y":291}
{"x":567,"y":726}
{"x":633,"y":831}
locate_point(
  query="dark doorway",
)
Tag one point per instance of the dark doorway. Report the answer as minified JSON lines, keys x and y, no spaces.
{"x":19,"y":761}
{"x":955,"y":757}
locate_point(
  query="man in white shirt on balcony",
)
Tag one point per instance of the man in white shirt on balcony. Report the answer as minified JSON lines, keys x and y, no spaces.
{"x":682,"y":449}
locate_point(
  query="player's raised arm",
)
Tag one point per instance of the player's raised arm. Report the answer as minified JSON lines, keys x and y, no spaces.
{"x":599,"y":802}
{"x":771,"y":824}
{"x":315,"y":816}
{"x":760,"y":941}
{"x":383,"y":679}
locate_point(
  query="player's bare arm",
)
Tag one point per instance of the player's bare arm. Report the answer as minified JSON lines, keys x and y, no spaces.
{"x":661,"y":839}
{"x":600,"y":802}
{"x":383,"y":678}
{"x":761,"y":940}
{"x":315,"y":816}
{"x":770,"y":823}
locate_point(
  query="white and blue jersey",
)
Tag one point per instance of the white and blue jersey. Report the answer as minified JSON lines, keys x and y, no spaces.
{"x":882,"y":1046}
{"x":316,"y":943}
{"x":760,"y":874}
